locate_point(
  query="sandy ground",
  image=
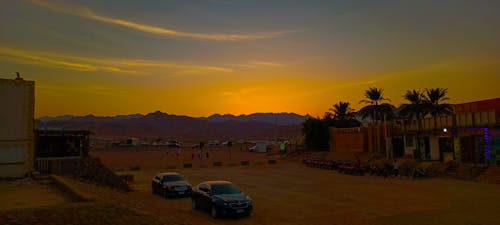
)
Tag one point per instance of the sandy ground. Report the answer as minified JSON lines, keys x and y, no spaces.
{"x":81,"y":213}
{"x":290,"y":193}
{"x":27,"y":194}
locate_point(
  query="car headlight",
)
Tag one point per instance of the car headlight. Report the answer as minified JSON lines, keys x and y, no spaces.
{"x":224,"y":203}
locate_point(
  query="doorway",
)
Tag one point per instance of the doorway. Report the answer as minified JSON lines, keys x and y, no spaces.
{"x":398,"y":147}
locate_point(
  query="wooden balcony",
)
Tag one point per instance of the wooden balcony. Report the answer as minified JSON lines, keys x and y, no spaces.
{"x":461,"y":120}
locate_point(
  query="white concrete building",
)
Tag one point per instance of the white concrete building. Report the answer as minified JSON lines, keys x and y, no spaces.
{"x":17,"y":100}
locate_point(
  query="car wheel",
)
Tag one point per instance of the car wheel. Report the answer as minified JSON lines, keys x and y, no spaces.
{"x":165,"y":193}
{"x":213,"y":212}
{"x":154,"y":191}
{"x":194,"y":204}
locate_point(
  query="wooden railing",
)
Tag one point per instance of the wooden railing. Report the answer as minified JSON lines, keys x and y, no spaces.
{"x":57,"y":165}
{"x":461,"y":120}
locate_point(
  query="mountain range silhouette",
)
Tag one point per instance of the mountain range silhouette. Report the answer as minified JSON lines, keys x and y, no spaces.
{"x":162,"y":125}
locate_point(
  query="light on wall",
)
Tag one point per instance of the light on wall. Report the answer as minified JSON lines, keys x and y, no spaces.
{"x":487,"y":143}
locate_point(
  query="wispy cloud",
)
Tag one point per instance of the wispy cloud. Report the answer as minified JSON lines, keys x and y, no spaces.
{"x":87,"y":13}
{"x":353,"y":84}
{"x":240,"y":92}
{"x":85,"y":89}
{"x":340,"y":85}
{"x":26,"y":57}
{"x":270,"y":64}
{"x":121,"y":66}
{"x":255,"y":64}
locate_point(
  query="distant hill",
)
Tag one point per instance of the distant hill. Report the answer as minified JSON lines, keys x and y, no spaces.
{"x":162,"y":125}
{"x":280,"y":119}
{"x":89,"y":117}
{"x":56,"y":118}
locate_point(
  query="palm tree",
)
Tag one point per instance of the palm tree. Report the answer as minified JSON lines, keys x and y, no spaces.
{"x":376,"y":110}
{"x":343,"y":116}
{"x":415,"y":109}
{"x":423,"y":103}
{"x":374,"y":96}
{"x":342,"y":111}
{"x":435,"y":104}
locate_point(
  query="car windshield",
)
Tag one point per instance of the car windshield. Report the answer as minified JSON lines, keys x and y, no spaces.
{"x":170,"y":178}
{"x":222,"y":189}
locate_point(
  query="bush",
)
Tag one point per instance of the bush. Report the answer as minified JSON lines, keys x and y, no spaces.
{"x":316,"y":134}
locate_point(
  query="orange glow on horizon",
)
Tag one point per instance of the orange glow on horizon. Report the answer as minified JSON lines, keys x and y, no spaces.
{"x":98,"y":58}
{"x":246,"y":96}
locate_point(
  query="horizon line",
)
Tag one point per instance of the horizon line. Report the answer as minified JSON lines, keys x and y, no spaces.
{"x":90,"y":114}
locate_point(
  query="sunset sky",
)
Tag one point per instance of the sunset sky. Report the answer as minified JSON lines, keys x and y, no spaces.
{"x":198,"y":58}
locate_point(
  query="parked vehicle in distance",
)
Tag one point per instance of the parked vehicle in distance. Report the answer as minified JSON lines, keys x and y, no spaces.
{"x":174,"y":145}
{"x":196,"y":146}
{"x":170,"y":185}
{"x":260,"y":146}
{"x":221,"y":198}
{"x":213,"y":142}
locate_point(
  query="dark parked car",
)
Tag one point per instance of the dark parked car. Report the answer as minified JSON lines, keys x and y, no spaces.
{"x":222,"y":198}
{"x":170,"y":185}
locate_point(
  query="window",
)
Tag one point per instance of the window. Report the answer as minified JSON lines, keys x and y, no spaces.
{"x":204,"y":187}
{"x":171,"y":178}
{"x":220,"y":189}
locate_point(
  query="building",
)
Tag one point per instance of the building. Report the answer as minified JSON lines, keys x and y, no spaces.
{"x":60,"y":151}
{"x":61,"y":143}
{"x":17,"y":97}
{"x":470,"y":135}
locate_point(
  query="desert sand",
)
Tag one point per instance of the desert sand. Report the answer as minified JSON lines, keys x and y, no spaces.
{"x":290,"y":193}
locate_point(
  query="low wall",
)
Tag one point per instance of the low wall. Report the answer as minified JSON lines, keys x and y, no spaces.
{"x":67,"y":188}
{"x":348,"y":139}
{"x":90,"y":169}
{"x":245,"y":163}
